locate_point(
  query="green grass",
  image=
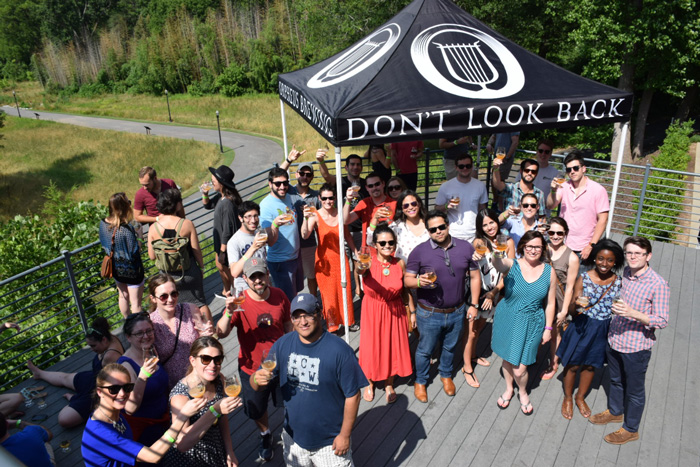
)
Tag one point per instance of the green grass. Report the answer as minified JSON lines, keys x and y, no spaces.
{"x":97,"y":163}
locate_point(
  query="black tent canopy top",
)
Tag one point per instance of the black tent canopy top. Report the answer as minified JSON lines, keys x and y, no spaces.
{"x":434,"y":71}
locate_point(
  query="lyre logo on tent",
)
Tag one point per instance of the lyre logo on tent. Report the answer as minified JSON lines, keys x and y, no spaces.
{"x":466,"y":62}
{"x":357,"y":58}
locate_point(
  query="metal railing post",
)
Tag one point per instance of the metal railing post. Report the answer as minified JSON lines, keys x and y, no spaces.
{"x":426,"y":196}
{"x":647,"y":169}
{"x":75,"y":289}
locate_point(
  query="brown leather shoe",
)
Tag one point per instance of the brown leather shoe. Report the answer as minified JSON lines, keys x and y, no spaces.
{"x":448,"y":385}
{"x":605,"y":417}
{"x":420,"y":392}
{"x":621,"y":436}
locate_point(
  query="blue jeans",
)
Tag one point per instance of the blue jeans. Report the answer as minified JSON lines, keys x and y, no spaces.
{"x":433,"y":328}
{"x":627,"y":374}
{"x":287,"y":276}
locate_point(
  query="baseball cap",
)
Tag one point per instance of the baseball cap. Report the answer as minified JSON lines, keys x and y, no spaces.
{"x":254,"y":265}
{"x":304,"y":302}
{"x":308,"y":165}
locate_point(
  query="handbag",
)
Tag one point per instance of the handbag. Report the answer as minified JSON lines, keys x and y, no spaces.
{"x":107,"y":269}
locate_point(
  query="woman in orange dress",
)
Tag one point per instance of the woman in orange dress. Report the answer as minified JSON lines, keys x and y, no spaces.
{"x":325,"y":222}
{"x":384,"y":351}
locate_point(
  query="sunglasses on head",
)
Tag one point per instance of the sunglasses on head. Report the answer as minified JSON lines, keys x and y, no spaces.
{"x":464,"y":166}
{"x":373,"y":185}
{"x":529,"y":205}
{"x":440,"y":227}
{"x":393,"y":187}
{"x":530,"y":171}
{"x":386,"y":242}
{"x":306,"y":174}
{"x":326,"y":198}
{"x":164,"y":297}
{"x":544,"y":151}
{"x":575,"y":168}
{"x":556,"y":233}
{"x":279,"y":184}
{"x":411,"y":204}
{"x":206,"y":359}
{"x":115,"y":388}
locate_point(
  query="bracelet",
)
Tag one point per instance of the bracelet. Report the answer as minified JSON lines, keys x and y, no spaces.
{"x":419,"y":282}
{"x":18,"y":423}
{"x":286,"y":159}
{"x":148,"y":375}
{"x":227,"y":315}
{"x":275,"y":225}
{"x":205,"y":197}
{"x":372,"y":226}
{"x":212,"y":410}
{"x":548,"y":328}
{"x":347,"y":203}
{"x":169,"y":438}
{"x":412,"y":312}
{"x":455,"y":143}
{"x":255,"y":381}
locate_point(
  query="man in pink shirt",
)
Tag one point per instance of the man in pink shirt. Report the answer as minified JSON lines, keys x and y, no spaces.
{"x":584,"y":206}
{"x":405,"y":157}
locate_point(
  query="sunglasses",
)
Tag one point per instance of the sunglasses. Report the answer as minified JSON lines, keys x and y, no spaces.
{"x":373,"y":185}
{"x":279,"y":184}
{"x":164,"y":298}
{"x":440,"y":227}
{"x":306,"y":174}
{"x":530,"y":171}
{"x":556,"y":233}
{"x":386,"y":242}
{"x":393,"y":187}
{"x":114,"y":389}
{"x":544,"y":151}
{"x":575,"y":168}
{"x":139,"y":335}
{"x":206,"y":359}
{"x":529,"y":205}
{"x":411,"y":204}
{"x":326,"y":198}
{"x":464,"y":166}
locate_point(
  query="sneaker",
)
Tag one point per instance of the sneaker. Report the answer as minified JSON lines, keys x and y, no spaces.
{"x":605,"y":417}
{"x":354,"y":327}
{"x":265,"y":453}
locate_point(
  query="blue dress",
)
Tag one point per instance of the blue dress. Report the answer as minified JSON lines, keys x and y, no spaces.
{"x":519,"y":320}
{"x":585,"y":340}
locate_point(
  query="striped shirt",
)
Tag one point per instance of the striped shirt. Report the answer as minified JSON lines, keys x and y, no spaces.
{"x":647,"y":293}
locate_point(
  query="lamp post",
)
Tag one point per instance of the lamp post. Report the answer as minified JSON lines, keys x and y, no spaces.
{"x":167,"y":99}
{"x":221,"y":144}
{"x":16,"y":104}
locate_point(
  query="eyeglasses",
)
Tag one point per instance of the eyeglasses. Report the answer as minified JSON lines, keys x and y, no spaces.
{"x":530,"y":171}
{"x":279,"y":184}
{"x":386,"y":242}
{"x":207,"y":359}
{"x":250,"y":217}
{"x":115,"y":388}
{"x":306,"y":174}
{"x":575,"y":168}
{"x":529,"y":205}
{"x":411,"y":204}
{"x":544,"y":151}
{"x":373,"y":185}
{"x":533,"y":248}
{"x":393,"y":187}
{"x":147,"y":332}
{"x":326,"y":198}
{"x":307,"y":317}
{"x":164,"y":297}
{"x":440,"y":227}
{"x":634,"y":254}
{"x":556,"y":233}
{"x":464,"y":166}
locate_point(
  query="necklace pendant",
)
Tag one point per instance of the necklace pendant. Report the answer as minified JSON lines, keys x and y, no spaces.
{"x":119,"y":426}
{"x":386,"y":271}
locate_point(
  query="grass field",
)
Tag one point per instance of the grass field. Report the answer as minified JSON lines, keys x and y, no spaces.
{"x":97,"y":163}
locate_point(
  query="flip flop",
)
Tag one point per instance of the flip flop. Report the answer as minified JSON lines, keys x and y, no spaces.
{"x":523,"y":407}
{"x":470,"y":373}
{"x":368,"y":395}
{"x":503,"y":403}
{"x":390,"y":396}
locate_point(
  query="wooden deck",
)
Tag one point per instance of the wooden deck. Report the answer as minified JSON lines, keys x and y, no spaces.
{"x":469,"y":429}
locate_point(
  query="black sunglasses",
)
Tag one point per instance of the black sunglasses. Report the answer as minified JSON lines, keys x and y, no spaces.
{"x":544,"y":151}
{"x":386,"y":242}
{"x":529,"y":205}
{"x":464,"y":166}
{"x":306,"y":174}
{"x":373,"y":185}
{"x":557,"y":233}
{"x":164,"y":297}
{"x":437,"y":227}
{"x":206,"y":359}
{"x":530,"y":171}
{"x":114,"y":389}
{"x":412,"y":203}
{"x":393,"y":187}
{"x":575,"y":168}
{"x":326,"y":198}
{"x":279,"y":184}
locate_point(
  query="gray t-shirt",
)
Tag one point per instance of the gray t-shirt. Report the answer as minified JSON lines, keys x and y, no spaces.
{"x":310,"y":199}
{"x":236,"y":247}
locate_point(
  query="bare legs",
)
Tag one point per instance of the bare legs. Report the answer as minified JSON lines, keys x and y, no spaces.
{"x":226,"y":278}
{"x":473,"y":332}
{"x":516,"y":375}
{"x":585,"y":379}
{"x":54,"y":378}
{"x":10,"y":402}
{"x":129,"y":299}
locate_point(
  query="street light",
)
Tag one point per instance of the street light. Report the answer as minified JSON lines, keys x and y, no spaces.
{"x":221,"y":144}
{"x":167,"y":98}
{"x":16,"y":104}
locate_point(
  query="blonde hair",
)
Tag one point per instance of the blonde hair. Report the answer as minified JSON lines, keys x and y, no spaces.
{"x":102,"y":376}
{"x":120,"y":211}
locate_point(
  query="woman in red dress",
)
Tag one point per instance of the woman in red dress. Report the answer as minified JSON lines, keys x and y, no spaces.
{"x":384,"y":351}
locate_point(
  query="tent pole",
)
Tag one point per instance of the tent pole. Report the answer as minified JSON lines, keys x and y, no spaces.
{"x":340,"y":196}
{"x":616,"y":183}
{"x":478,"y":155}
{"x":284,"y":129}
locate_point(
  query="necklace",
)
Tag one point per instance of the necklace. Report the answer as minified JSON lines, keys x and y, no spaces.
{"x":385,"y":267}
{"x":118,"y":425}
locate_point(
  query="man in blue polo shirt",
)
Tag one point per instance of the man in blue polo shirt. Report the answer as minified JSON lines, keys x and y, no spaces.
{"x":441,"y":305}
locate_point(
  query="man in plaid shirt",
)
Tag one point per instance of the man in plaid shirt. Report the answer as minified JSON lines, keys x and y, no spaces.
{"x":643,"y":309}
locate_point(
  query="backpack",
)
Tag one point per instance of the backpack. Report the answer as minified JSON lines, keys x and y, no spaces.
{"x":172,"y":254}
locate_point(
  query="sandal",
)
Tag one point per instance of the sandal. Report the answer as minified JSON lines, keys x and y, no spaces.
{"x":550,"y":372}
{"x":583,"y":408}
{"x":369,"y":394}
{"x":524,"y":407}
{"x":390,"y":395}
{"x":466,"y":373}
{"x":567,"y":408}
{"x":503,"y":403}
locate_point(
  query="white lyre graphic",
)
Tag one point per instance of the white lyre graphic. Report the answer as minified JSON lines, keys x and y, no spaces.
{"x":470,"y":61}
{"x":358,"y":58}
{"x":469,"y":70}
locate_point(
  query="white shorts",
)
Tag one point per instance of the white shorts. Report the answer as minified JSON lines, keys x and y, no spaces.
{"x":131,"y":286}
{"x":296,"y":456}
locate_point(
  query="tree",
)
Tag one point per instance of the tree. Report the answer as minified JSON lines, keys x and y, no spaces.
{"x":19,"y":34}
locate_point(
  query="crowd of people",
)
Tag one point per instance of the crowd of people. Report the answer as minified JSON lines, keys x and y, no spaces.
{"x":441,"y":274}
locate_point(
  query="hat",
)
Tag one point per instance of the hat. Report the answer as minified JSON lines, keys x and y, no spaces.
{"x":308,"y":165}
{"x":224,"y":175}
{"x":254,"y":265}
{"x":304,"y":302}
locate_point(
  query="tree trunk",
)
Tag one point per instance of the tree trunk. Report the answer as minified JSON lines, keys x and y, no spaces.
{"x":687,"y":103}
{"x":640,"y":125}
{"x":625,"y":83}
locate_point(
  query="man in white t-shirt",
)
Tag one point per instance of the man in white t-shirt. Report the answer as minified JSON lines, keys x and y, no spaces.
{"x":472,"y":196}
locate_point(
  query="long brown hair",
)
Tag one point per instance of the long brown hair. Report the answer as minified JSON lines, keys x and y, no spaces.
{"x":120,"y":211}
{"x":201,"y":344}
{"x":102,"y":376}
{"x":155,"y":282}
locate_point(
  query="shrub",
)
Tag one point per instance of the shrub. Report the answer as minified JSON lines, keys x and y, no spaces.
{"x":232,"y":81}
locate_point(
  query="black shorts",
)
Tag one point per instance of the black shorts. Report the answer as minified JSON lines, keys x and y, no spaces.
{"x":255,"y":402}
